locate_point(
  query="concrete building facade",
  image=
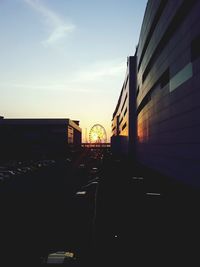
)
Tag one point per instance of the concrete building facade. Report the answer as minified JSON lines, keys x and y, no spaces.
{"x":167,"y":96}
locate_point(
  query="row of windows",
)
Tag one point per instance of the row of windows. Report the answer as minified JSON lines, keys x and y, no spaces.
{"x":182,"y":76}
{"x":180,"y":15}
{"x":125,"y":111}
{"x":118,"y":104}
{"x":125,"y":84}
{"x":179,"y":78}
{"x":124,"y":102}
{"x":138,"y":90}
{"x":160,"y":83}
{"x":124,"y":126}
{"x":151,"y":31}
{"x":113,"y":129}
{"x":120,"y":120}
{"x":70,"y":135}
{"x":120,"y":97}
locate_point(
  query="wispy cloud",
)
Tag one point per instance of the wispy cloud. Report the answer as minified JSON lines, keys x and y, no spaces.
{"x":102,"y":70}
{"x":57,"y":26}
{"x":94,"y":78}
{"x":42,"y":87}
{"x":70,"y":87}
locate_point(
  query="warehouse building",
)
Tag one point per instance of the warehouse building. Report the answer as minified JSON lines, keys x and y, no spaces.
{"x":33,"y":138}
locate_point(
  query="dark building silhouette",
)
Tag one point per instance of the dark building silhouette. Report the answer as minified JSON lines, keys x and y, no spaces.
{"x":123,"y":127}
{"x":167,"y":96}
{"x":38,"y":138}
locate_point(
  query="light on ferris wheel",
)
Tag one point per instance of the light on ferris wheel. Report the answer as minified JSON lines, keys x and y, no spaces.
{"x":97,"y":134}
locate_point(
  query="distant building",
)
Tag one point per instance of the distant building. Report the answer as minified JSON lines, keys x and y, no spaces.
{"x":27,"y":138}
{"x":123,"y":121}
{"x":168,"y":91}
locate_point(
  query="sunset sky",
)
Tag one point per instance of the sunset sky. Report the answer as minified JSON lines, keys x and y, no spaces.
{"x":66,"y":58}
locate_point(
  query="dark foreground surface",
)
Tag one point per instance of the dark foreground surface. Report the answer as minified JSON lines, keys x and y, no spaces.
{"x":93,"y":209}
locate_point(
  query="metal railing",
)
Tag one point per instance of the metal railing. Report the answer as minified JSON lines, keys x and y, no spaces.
{"x":96,"y":145}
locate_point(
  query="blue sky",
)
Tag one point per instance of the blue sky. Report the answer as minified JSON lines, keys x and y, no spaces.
{"x":66,"y":58}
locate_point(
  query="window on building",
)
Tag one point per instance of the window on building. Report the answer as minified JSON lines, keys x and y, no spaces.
{"x":124,"y":102}
{"x":124,"y":126}
{"x":125,"y":111}
{"x":181,"y":77}
{"x":120,"y":120}
{"x":195,"y":48}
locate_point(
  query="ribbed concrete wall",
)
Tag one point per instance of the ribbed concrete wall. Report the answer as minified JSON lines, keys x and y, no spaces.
{"x":168,"y":90}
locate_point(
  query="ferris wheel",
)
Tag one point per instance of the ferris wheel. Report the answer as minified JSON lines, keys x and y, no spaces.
{"x":97,"y":134}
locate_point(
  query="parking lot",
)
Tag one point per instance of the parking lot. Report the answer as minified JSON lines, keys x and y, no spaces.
{"x":95,"y":209}
{"x":43,"y":208}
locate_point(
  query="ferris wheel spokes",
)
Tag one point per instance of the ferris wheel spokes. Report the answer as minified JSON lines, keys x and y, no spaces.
{"x":97,"y":134}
